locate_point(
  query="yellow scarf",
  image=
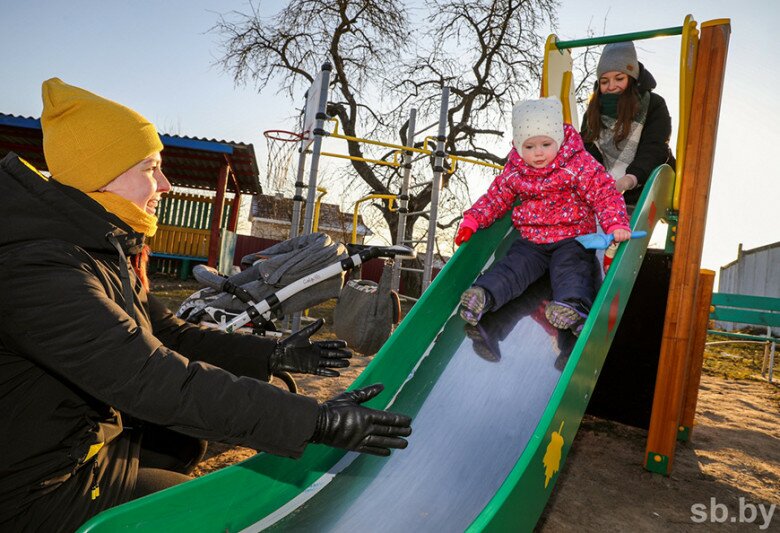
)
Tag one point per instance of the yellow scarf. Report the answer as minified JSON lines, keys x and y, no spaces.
{"x":127,"y":211}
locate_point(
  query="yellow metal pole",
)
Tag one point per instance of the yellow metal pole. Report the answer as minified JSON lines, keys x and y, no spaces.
{"x":394,"y":163}
{"x":379,"y":143}
{"x":456,"y":158}
{"x":390,"y":197}
{"x":322,"y":192}
{"x":399,"y":149}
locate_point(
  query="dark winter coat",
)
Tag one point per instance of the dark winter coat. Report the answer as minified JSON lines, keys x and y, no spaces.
{"x":84,"y":348}
{"x":653,"y":149}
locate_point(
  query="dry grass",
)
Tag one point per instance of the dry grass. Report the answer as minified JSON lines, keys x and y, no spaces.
{"x":733,"y":360}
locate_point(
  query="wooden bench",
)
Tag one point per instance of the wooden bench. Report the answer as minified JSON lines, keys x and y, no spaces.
{"x":754,"y":310}
{"x":187,"y":262}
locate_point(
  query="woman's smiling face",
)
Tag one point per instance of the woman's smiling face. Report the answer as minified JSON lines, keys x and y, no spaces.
{"x":614,"y":82}
{"x":143,"y":184}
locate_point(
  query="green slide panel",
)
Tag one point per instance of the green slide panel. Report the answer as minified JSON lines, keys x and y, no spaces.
{"x":495,"y":411}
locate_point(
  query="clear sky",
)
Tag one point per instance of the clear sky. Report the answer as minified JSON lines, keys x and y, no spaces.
{"x":158,"y":56}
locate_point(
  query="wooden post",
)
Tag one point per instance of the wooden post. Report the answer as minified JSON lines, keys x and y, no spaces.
{"x":694,"y":197}
{"x":216,"y":215}
{"x":696,"y":356}
{"x":232,"y":223}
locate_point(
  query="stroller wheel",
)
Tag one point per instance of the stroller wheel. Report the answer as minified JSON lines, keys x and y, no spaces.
{"x":288,"y":380}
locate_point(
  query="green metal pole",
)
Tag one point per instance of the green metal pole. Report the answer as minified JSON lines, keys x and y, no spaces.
{"x":620,"y":38}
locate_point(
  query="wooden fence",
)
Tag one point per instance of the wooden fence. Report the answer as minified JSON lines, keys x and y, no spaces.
{"x":183,"y":232}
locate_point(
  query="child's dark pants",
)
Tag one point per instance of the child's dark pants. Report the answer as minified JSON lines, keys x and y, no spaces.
{"x":571,"y":269}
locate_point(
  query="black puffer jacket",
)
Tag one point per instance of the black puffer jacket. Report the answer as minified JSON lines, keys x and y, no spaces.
{"x":83,"y":345}
{"x":653,"y":149}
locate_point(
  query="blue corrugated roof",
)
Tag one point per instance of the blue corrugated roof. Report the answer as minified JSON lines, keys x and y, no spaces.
{"x":192,"y":143}
{"x":184,"y":168}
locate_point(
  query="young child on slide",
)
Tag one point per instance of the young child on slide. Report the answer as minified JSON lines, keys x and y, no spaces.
{"x":562,"y":189}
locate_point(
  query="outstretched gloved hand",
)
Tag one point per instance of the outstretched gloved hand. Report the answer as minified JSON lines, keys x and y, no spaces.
{"x":463,"y":235}
{"x":343,"y":423}
{"x":466,"y":229}
{"x":298,"y":354}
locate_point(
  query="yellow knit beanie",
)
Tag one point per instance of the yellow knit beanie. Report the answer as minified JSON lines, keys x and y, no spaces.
{"x":89,"y":140}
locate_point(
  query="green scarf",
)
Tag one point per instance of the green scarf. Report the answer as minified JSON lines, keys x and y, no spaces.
{"x":608,"y":104}
{"x":127,"y":211}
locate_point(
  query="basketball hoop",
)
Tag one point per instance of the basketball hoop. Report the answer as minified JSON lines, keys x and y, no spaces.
{"x":281,"y":146}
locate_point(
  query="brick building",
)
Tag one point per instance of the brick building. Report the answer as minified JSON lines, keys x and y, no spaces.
{"x":271,"y":218}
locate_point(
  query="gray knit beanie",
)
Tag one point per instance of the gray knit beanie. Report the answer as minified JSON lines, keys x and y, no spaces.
{"x":537,"y":117}
{"x":619,"y":57}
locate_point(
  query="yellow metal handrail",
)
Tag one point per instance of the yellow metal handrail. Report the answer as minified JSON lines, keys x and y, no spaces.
{"x":390,"y":197}
{"x":317,"y":203}
{"x":456,"y":158}
{"x":399,"y":149}
{"x":336,"y":135}
{"x":394,"y":163}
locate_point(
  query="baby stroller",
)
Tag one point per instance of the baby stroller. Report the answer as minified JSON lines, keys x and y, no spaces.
{"x":263,"y":274}
{"x":286,"y":278}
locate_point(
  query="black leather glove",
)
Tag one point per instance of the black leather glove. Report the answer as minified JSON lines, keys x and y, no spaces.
{"x":298,"y":354}
{"x":343,"y":423}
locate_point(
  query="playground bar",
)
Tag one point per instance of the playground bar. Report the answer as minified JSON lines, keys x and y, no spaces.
{"x":389,"y":197}
{"x":393,"y":163}
{"x":322,"y":192}
{"x":336,"y":135}
{"x":620,"y":38}
{"x":455,"y":159}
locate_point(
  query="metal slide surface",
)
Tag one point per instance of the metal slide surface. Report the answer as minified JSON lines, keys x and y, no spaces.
{"x":495,"y":410}
{"x":474,"y":405}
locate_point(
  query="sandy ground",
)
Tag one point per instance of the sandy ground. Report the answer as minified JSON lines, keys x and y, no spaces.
{"x":727,"y":478}
{"x":734,"y":454}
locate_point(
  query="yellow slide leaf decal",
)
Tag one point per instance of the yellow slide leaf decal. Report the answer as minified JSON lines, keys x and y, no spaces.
{"x":552,"y":457}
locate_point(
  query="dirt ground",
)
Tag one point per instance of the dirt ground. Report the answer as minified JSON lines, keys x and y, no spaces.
{"x":727,"y":478}
{"x":734,"y":454}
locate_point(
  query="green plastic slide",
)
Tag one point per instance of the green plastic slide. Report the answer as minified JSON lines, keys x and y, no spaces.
{"x":495,"y":410}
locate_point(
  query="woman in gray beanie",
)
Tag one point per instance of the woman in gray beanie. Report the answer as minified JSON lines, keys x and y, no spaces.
{"x":626,"y":126}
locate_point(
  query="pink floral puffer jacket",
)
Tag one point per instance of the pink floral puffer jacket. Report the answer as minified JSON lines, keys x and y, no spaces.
{"x":559,"y":201}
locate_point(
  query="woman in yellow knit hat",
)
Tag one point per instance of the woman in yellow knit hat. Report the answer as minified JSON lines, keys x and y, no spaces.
{"x":104,"y":393}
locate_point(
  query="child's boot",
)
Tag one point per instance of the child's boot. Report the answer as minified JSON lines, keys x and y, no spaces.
{"x":474,"y":302}
{"x":565,"y":316}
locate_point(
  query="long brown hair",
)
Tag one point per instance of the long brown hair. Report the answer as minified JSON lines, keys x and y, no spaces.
{"x":628,"y":107}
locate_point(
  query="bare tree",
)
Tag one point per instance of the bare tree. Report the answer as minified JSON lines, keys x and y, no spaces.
{"x":387,"y":57}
